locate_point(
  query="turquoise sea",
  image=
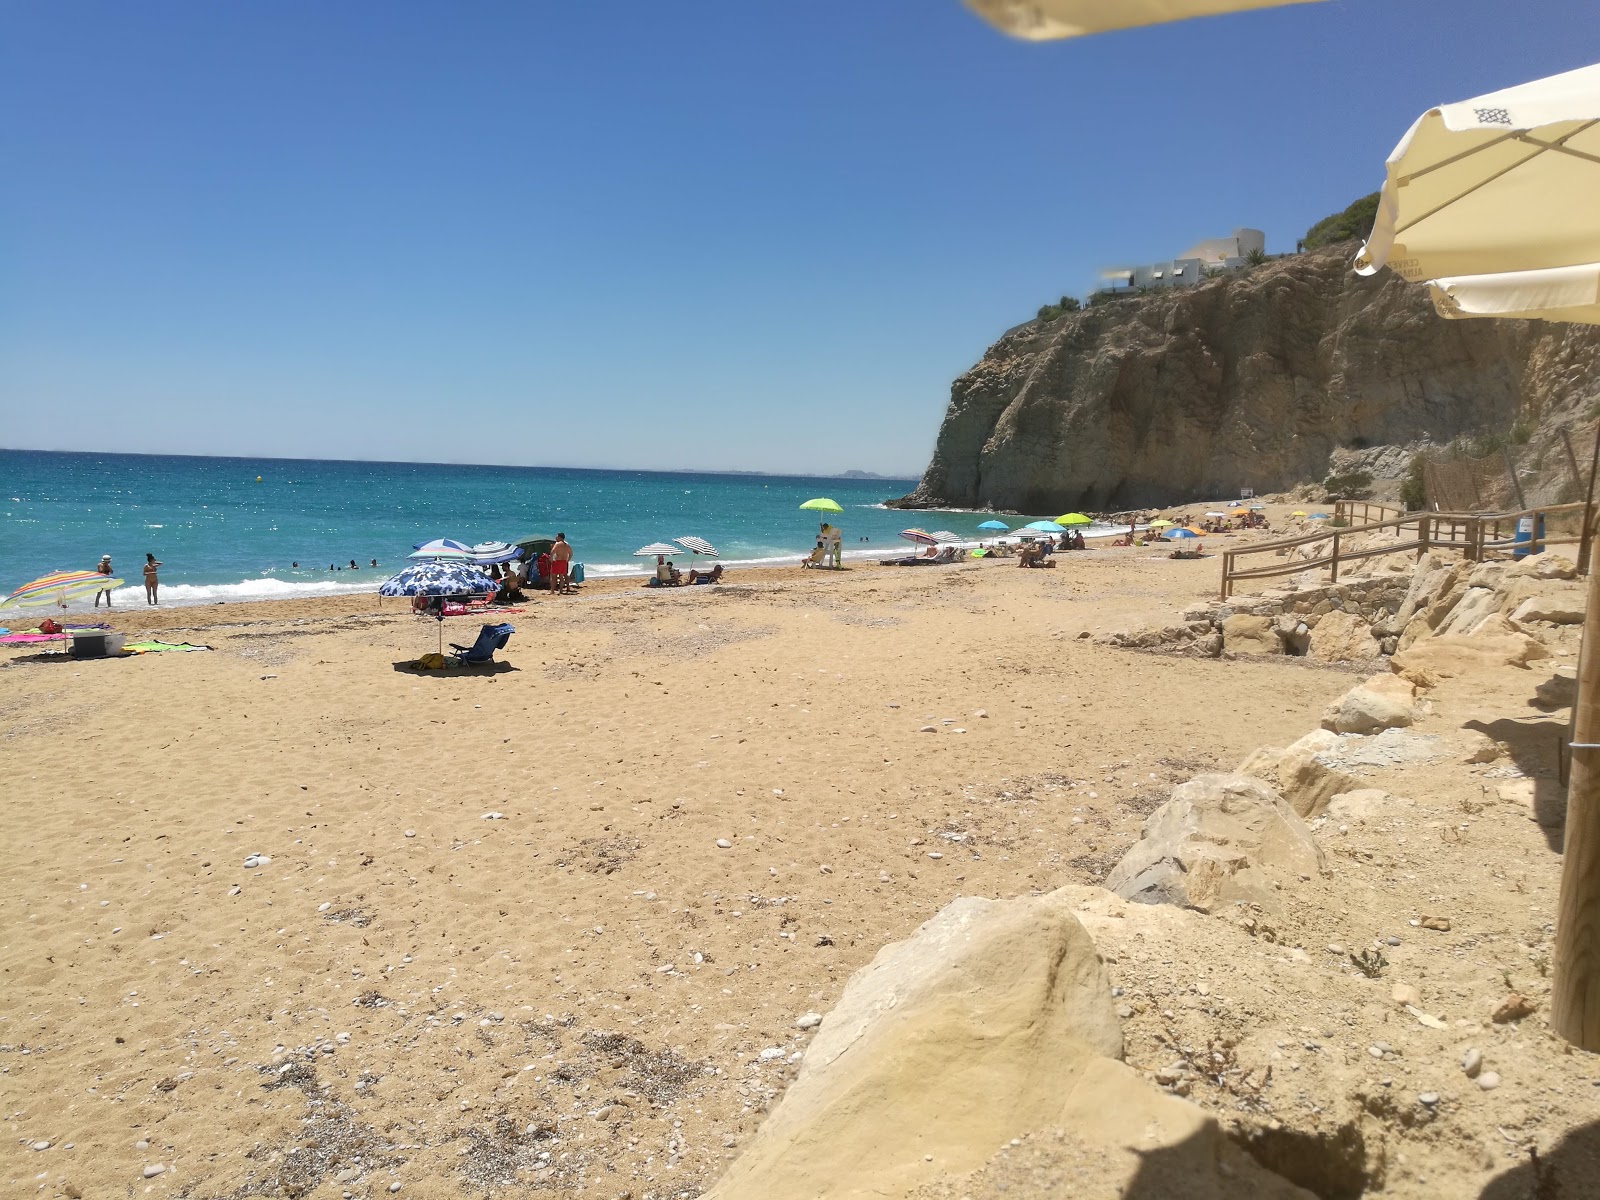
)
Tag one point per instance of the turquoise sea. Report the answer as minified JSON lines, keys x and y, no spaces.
{"x":223,"y":535}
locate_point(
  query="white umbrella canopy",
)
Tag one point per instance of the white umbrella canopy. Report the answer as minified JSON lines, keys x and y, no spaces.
{"x":1557,"y":294}
{"x":1044,"y":20}
{"x":1505,"y":182}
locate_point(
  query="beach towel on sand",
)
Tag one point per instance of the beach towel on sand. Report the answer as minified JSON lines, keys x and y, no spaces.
{"x":161,"y":647}
{"x":431,"y":662}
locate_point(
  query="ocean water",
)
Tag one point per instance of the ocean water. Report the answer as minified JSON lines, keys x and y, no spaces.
{"x":222,"y":535}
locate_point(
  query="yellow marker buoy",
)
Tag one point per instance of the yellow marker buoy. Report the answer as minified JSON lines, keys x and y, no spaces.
{"x":258,"y":479}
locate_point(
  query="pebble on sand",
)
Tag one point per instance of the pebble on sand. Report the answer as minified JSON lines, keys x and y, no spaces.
{"x":724,"y":844}
{"x":808,"y":1020}
{"x":1472,"y":1062}
{"x":154,"y":1169}
{"x":1489,"y":1080}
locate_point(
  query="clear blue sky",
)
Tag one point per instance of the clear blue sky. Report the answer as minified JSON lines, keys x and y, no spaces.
{"x":721,"y":233}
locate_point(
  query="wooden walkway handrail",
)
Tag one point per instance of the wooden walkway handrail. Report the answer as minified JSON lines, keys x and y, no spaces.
{"x":1472,"y":533}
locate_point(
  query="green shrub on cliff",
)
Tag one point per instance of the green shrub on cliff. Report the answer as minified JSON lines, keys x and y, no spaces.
{"x":1354,"y":222}
{"x":1067,"y":304}
{"x":1413,"y":489}
{"x":1357,"y":485}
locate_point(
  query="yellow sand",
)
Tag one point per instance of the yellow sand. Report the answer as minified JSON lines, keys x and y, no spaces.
{"x":591,"y":976}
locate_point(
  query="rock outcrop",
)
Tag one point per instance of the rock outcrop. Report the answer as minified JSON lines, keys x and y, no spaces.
{"x":1220,"y":839}
{"x":1257,"y":379}
{"x":993,"y":1021}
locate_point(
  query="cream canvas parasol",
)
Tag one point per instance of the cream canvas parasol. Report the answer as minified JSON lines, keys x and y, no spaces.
{"x":1044,"y":20}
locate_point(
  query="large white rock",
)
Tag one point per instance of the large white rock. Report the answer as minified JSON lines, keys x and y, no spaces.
{"x":994,"y":1020}
{"x":1564,"y":607}
{"x":1246,"y":634}
{"x":1382,"y":702}
{"x":1546,"y":565}
{"x":1219,"y":839}
{"x":1342,"y":637}
{"x":1300,"y":774}
{"x":1430,"y":660}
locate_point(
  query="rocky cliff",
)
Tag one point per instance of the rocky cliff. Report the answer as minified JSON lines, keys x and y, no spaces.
{"x":1261,"y":379}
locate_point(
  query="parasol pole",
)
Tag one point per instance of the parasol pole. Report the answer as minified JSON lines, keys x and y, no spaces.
{"x":1575,"y":992}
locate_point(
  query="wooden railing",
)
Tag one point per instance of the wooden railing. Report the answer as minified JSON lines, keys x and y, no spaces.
{"x":1369,"y":510}
{"x":1476,"y":535}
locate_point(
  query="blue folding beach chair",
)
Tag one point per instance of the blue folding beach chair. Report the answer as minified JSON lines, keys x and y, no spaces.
{"x":490,"y":639}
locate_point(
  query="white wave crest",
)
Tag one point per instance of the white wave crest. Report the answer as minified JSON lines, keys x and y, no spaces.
{"x":176,"y":594}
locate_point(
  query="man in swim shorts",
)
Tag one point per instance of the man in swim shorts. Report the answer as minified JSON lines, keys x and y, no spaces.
{"x":560,"y":564}
{"x":103,"y":569}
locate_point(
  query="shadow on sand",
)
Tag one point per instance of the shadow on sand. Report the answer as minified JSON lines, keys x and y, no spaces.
{"x":1535,"y":745}
{"x":1571,"y":1171}
{"x":453,"y":671}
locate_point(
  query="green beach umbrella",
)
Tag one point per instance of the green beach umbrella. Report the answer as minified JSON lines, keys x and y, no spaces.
{"x":1074,"y":519}
{"x":822,"y":504}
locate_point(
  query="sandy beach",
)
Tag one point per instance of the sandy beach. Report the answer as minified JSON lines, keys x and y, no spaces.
{"x":553,"y":924}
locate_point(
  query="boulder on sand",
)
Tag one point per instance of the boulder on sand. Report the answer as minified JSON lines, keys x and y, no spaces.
{"x":1544,"y":566}
{"x":1342,"y":637}
{"x":994,"y":1020}
{"x":1221,"y":838}
{"x":1382,"y":702}
{"x":1433,"y":659}
{"x":1300,"y":776}
{"x":1245,"y":634}
{"x":1564,"y":607}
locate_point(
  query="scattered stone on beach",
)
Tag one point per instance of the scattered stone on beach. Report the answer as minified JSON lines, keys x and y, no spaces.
{"x":1513,"y":1008}
{"x":1489,"y":1080}
{"x":411,"y":833}
{"x":1442,"y":924}
{"x":1472,"y":1062}
{"x":724,"y":844}
{"x":1404,"y":994}
{"x":1382,"y":702}
{"x":257,"y":860}
{"x":928,"y":729}
{"x":1219,"y":839}
{"x":41,"y":1145}
{"x":808,"y":1020}
{"x":154,"y":1169}
{"x":493,"y":816}
{"x":770,"y":1054}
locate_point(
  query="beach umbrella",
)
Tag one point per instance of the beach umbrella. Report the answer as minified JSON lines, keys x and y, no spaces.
{"x":1180,"y":533}
{"x":698,"y":546}
{"x":1297,"y":513}
{"x":1161,"y":523}
{"x":1258,"y":508}
{"x":822,"y":504}
{"x":1196,"y":532}
{"x":57,"y":588}
{"x":1074,"y":519}
{"x":1216,"y":514}
{"x":1043,"y":526}
{"x":999,"y":526}
{"x":1556,"y":294}
{"x":1043,"y":20}
{"x":442,"y":548}
{"x":532,"y":547}
{"x":1504,"y":183}
{"x":494,"y":552}
{"x":944,"y":535}
{"x":439,"y":579}
{"x":1239,"y":512}
{"x":921,"y":536}
{"x":1318,"y":517}
{"x":654,"y":549}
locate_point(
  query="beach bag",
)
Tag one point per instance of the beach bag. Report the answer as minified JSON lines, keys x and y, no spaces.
{"x":431,"y":662}
{"x":48,"y":625}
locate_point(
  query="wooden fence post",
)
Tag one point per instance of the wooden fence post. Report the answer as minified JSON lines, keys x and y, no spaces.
{"x":1575,"y":999}
{"x":1335,"y":578}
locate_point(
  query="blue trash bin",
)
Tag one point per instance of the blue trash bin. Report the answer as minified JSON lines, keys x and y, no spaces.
{"x":577,"y":572}
{"x":1524,"y":537}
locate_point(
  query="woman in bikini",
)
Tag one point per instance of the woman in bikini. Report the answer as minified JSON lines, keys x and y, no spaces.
{"x":150,"y":581}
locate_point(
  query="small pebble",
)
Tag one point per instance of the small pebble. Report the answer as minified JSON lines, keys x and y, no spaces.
{"x":411,"y":833}
{"x":324,"y":906}
{"x":808,"y":1020}
{"x":1472,"y":1062}
{"x":927,"y":729}
{"x":770,"y":1053}
{"x":1489,"y":1080}
{"x":141,"y":1144}
{"x":724,"y":844}
{"x":1375,"y":1051}
{"x":1428,"y":1099}
{"x":1391,"y":940}
{"x":41,"y":1145}
{"x":154,"y":1169}
{"x":395,"y":1186}
{"x":934,"y":854}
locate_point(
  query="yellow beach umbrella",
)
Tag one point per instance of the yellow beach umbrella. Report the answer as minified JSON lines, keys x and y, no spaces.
{"x":1074,"y":519}
{"x":1297,"y":513}
{"x":1163,"y":523}
{"x":1044,"y":20}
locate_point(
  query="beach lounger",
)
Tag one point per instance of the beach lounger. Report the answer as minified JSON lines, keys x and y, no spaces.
{"x":490,"y":639}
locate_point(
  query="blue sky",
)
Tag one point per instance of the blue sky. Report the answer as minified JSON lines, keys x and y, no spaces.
{"x":709,"y":234}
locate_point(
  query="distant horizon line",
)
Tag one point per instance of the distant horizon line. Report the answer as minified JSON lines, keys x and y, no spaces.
{"x":850,"y":473}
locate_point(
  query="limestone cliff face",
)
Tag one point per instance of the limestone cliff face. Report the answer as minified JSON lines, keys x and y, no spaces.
{"x":1252,"y":380}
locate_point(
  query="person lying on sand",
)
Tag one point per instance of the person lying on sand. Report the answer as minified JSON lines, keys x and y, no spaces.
{"x":712,"y":576}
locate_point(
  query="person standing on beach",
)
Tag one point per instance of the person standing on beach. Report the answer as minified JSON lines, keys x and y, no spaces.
{"x":836,"y":545}
{"x":560,"y":564}
{"x":103,"y":569}
{"x":151,"y":582}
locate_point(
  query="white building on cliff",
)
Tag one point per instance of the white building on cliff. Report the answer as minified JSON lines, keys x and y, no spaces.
{"x":1216,"y":254}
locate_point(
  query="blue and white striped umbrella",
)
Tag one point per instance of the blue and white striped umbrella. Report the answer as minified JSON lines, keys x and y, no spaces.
{"x":441,"y":548}
{"x":439,"y":579}
{"x":494,"y":552}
